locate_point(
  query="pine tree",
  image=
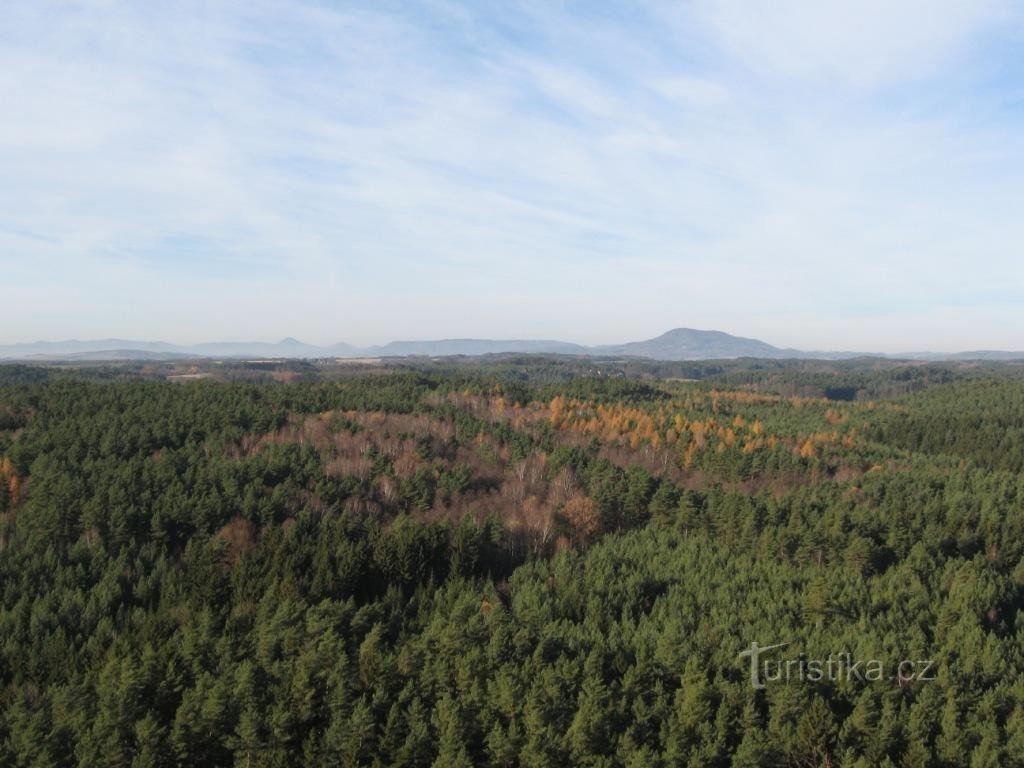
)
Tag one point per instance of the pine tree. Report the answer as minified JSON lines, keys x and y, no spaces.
{"x":815,"y":732}
{"x":452,"y":751}
{"x":951,"y":744}
{"x":248,"y":741}
{"x":419,"y":748}
{"x":590,"y":734}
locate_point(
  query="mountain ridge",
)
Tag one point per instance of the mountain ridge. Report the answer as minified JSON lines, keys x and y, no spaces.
{"x":675,"y":344}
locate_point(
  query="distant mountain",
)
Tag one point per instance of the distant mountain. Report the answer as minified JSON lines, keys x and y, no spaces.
{"x":123,"y":349}
{"x":103,"y":355}
{"x":445,"y":347}
{"x":692,"y":344}
{"x":285,"y":348}
{"x":64,"y":349}
{"x":981,"y":354}
{"x":677,"y":344}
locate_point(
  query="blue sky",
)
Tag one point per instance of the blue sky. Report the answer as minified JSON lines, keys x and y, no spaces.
{"x":819,"y":175}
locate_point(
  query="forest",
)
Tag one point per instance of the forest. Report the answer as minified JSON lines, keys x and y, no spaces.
{"x":509,"y":562}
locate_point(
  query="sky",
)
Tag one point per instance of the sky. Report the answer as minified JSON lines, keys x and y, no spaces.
{"x":840,"y":175}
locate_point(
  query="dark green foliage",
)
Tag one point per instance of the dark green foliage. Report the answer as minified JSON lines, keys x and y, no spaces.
{"x":190,"y":576}
{"x":982,"y":421}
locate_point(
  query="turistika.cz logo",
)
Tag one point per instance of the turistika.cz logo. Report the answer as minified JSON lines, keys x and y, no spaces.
{"x":835,"y":667}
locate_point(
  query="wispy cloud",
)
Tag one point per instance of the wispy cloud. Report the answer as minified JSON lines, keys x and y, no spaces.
{"x":830,"y":174}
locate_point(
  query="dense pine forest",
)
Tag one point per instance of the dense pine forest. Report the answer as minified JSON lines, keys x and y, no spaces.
{"x":509,"y":562}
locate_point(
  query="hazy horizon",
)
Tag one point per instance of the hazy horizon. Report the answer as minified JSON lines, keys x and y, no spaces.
{"x":509,"y":338}
{"x":822,"y":177}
